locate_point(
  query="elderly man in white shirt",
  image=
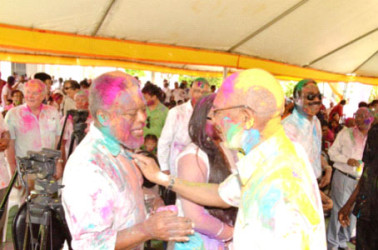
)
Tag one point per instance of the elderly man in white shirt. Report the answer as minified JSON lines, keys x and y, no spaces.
{"x":346,"y":152}
{"x":33,"y":125}
{"x":274,"y":186}
{"x":174,"y":136}
{"x":103,"y":195}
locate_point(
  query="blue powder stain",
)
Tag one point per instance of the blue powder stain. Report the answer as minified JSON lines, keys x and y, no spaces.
{"x":267,"y":203}
{"x":110,"y":142}
{"x":251,"y":138}
{"x":91,"y":226}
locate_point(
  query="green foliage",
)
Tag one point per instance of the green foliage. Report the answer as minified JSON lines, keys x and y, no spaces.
{"x":288,"y":87}
{"x":134,"y":72}
{"x":373,"y":93}
{"x":217,"y":81}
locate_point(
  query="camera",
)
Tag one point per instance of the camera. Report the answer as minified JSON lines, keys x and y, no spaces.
{"x":78,"y":116}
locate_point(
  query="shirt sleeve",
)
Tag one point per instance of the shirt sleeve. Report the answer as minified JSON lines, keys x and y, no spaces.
{"x":229,"y":190}
{"x":290,"y":129}
{"x":9,"y":123}
{"x":89,"y":207}
{"x":166,"y":139}
{"x":335,"y":152}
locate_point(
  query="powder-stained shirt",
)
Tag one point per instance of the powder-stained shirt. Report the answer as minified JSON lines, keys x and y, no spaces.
{"x":4,"y":169}
{"x":279,"y":203}
{"x":155,"y":120}
{"x":308,"y":134}
{"x":174,"y":137}
{"x":349,"y":143}
{"x":32,"y":132}
{"x":102,"y":192}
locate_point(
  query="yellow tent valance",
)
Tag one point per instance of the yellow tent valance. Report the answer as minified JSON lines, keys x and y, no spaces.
{"x":78,"y":46}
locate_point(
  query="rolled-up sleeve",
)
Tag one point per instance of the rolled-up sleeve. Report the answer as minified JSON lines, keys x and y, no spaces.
{"x":229,"y":190}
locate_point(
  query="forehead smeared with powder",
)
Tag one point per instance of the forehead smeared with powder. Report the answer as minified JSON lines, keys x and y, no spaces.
{"x":109,"y":86}
{"x":200,"y":82}
{"x":254,"y":87}
{"x":35,"y":85}
{"x":365,"y":112}
{"x":300,"y":85}
{"x":226,"y":90}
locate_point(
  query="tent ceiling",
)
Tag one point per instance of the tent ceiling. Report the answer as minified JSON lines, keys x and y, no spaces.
{"x":338,"y":36}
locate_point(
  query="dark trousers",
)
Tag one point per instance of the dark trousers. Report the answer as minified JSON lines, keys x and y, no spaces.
{"x":367,"y":234}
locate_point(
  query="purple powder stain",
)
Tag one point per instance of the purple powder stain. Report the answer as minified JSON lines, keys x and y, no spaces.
{"x":106,"y":211}
{"x":228,"y":85}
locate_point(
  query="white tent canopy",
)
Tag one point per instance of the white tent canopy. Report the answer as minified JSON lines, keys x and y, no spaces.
{"x":338,"y":36}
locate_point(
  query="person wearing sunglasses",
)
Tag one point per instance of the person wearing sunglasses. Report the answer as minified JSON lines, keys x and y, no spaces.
{"x":70,"y":88}
{"x":303,"y":127}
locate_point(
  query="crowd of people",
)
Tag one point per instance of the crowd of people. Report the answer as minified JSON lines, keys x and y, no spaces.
{"x":244,"y":167}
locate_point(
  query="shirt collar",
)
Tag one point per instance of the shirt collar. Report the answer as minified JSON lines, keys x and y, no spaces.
{"x":256,"y":158}
{"x":107,"y":141}
{"x":297,"y":114}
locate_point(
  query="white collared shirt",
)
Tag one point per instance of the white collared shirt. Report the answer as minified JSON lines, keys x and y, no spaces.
{"x":174,"y":136}
{"x":349,"y":143}
{"x":308,"y":134}
{"x":31,"y":132}
{"x":279,"y":202}
{"x":102,"y":192}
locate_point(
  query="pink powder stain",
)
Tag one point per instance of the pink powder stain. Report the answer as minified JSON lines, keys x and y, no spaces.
{"x":28,"y":123}
{"x":106,"y":211}
{"x":94,"y":196}
{"x":110,"y":86}
{"x":227,"y":87}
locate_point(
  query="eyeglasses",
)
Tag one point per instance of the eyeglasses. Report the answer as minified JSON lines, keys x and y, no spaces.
{"x":216,"y":111}
{"x":311,"y":97}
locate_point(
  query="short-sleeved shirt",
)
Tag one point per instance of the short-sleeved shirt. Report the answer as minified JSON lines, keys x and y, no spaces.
{"x":308,"y":134}
{"x":349,"y":143}
{"x":279,"y":202}
{"x":31,"y":132}
{"x":102,"y":192}
{"x":174,"y":136}
{"x":156,"y":119}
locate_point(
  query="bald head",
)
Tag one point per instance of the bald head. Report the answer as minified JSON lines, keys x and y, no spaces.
{"x":248,"y":108}
{"x":255,"y":88}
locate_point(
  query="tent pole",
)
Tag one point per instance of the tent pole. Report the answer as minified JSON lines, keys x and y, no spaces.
{"x":225,"y":71}
{"x":94,"y":33}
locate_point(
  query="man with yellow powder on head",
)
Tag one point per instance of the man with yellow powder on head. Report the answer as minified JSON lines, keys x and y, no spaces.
{"x":274,"y":186}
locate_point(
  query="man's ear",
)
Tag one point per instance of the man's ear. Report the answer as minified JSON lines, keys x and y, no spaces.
{"x":248,"y":119}
{"x":249,"y":123}
{"x":102,"y":117}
